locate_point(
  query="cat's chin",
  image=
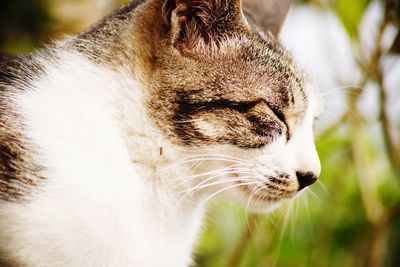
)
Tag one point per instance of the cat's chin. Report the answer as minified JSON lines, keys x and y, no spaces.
{"x":262,"y":209}
{"x":244,"y":197}
{"x":263,"y":206}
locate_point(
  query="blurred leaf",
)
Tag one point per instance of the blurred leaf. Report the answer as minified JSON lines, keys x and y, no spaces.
{"x":23,"y":22}
{"x":351,"y":13}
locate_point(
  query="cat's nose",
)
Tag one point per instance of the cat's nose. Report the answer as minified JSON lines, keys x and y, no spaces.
{"x":305,"y":179}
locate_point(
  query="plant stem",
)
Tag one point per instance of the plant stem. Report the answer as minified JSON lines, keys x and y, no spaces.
{"x":240,"y":249}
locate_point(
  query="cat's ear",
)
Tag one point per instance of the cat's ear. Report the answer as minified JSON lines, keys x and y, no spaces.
{"x":268,"y":15}
{"x":191,"y":21}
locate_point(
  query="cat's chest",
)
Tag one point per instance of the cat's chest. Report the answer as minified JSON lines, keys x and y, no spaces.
{"x":96,"y":201}
{"x":97,"y":228}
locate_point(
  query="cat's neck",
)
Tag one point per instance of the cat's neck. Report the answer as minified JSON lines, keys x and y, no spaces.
{"x":165,"y":199}
{"x":109,"y":140}
{"x":128,"y":37}
{"x":125,"y":55}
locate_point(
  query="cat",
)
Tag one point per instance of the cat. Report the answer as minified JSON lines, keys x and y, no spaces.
{"x":113,"y":141}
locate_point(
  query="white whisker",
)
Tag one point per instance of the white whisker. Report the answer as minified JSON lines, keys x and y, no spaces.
{"x":228,"y":180}
{"x":196,"y":189}
{"x":226,"y":189}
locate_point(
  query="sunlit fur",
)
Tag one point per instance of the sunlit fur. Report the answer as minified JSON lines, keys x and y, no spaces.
{"x":123,"y":176}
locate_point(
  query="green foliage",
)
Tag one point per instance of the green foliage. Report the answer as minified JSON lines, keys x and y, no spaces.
{"x":24,"y":24}
{"x":350,"y":12}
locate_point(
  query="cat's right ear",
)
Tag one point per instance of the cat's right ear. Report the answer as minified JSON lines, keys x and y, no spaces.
{"x":193,"y":22}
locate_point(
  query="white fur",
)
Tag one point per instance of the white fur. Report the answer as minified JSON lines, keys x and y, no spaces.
{"x":95,"y":208}
{"x":113,"y":189}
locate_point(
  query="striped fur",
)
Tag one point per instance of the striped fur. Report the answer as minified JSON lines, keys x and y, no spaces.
{"x":113,"y":140}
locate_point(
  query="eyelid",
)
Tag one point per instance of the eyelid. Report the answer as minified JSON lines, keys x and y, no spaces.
{"x":242,"y":107}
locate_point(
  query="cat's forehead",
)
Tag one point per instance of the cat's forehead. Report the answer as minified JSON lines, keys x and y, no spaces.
{"x":250,"y":61}
{"x":244,"y":69}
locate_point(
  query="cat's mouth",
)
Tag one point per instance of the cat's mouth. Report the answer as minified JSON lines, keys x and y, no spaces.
{"x":271,"y":191}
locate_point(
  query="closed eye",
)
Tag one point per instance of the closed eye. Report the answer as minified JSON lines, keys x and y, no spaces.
{"x":188,"y":108}
{"x":242,"y":107}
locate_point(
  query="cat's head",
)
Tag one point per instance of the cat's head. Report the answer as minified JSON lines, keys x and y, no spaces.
{"x":232,"y":101}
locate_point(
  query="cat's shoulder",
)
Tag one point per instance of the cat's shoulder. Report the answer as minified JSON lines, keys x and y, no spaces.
{"x":9,"y":67}
{"x":17,"y":70}
{"x":17,"y":174}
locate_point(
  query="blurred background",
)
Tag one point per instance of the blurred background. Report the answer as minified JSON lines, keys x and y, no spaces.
{"x":351,"y":217}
